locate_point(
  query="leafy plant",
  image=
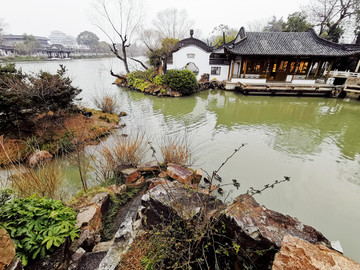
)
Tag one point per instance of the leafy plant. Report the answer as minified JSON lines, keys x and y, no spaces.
{"x":37,"y":225}
{"x":183,"y":81}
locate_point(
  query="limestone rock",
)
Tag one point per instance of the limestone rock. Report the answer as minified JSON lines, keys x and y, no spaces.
{"x":170,"y":201}
{"x":297,"y":254}
{"x":117,"y":189}
{"x":175,"y":94}
{"x":179,"y":173}
{"x":197,"y":177}
{"x":7,"y":249}
{"x":258,"y":228}
{"x":102,"y":246}
{"x":130,"y":175}
{"x":162,"y":174}
{"x":78,"y":254}
{"x":149,"y":166}
{"x":259,"y":222}
{"x":15,"y":265}
{"x":102,"y":200}
{"x":39,"y":157}
{"x":90,"y":260}
{"x":138,"y":182}
{"x":158,"y":181}
{"x":88,"y":215}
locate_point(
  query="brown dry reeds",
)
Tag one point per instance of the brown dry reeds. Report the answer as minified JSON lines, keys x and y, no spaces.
{"x":107,"y":104}
{"x":177,"y":150}
{"x":44,"y":180}
{"x":123,"y":150}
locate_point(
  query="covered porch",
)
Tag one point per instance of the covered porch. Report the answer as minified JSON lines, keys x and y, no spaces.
{"x":295,"y":70}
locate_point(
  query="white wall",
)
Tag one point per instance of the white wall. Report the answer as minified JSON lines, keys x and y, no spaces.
{"x":201,"y":60}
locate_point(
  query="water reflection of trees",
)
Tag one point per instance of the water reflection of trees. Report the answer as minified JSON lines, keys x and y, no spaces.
{"x":299,"y":125}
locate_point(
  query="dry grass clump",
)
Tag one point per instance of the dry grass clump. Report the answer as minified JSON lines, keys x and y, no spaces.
{"x":177,"y":150}
{"x":44,"y":180}
{"x":107,"y":103}
{"x":138,"y":250}
{"x":123,"y":150}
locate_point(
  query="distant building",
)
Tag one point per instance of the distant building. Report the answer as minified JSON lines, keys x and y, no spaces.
{"x":12,"y":40}
{"x":57,"y":37}
{"x":294,"y":57}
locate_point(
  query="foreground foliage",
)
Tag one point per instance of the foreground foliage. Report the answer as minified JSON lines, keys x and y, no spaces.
{"x":37,"y":226}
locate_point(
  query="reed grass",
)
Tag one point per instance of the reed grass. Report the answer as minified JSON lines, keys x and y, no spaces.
{"x":107,"y":104}
{"x":178,"y":150}
{"x":128,"y":150}
{"x":44,"y":180}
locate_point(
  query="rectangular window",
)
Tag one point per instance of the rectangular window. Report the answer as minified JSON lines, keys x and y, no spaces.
{"x":215,"y":70}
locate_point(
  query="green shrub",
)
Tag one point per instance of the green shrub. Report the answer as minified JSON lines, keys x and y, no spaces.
{"x":183,"y":81}
{"x":23,"y":97}
{"x":37,"y":226}
{"x":158,"y":80}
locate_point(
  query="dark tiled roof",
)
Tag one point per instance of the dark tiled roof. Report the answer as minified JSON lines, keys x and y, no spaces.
{"x":194,"y":42}
{"x":289,"y":44}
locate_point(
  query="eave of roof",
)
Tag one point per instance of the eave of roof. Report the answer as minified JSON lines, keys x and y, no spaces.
{"x":193,"y":42}
{"x":288,"y":44}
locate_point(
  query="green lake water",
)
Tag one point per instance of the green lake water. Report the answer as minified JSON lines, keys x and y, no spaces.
{"x":315,"y":141}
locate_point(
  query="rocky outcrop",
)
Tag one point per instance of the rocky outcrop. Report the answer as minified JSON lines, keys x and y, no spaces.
{"x":259,"y":229}
{"x":179,"y":173}
{"x":171,"y":200}
{"x":297,"y":254}
{"x":40,"y":156}
{"x":7,"y":249}
{"x":130,"y":175}
{"x":151,"y":166}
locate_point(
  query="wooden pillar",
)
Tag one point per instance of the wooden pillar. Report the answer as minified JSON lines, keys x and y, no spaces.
{"x":358,"y":66}
{"x":295,"y":69}
{"x":232,"y":69}
{"x":230,"y":66}
{"x":328,"y":73}
{"x":310,"y":68}
{"x":317,"y":70}
{"x":244,"y":67}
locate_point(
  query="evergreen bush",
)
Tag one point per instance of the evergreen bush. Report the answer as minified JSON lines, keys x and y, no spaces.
{"x":183,"y":81}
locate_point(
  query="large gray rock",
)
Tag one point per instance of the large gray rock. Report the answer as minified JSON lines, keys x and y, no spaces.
{"x":90,"y":260}
{"x":259,"y":229}
{"x":102,"y":200}
{"x":170,"y":200}
{"x":301,"y":255}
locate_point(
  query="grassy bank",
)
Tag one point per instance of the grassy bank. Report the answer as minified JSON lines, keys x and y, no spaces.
{"x":58,"y":135}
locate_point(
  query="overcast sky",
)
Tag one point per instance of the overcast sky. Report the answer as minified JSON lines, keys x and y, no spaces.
{"x":40,"y":17}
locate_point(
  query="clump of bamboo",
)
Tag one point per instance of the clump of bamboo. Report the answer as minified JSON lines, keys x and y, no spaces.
{"x":123,"y":150}
{"x":44,"y":180}
{"x":178,"y":150}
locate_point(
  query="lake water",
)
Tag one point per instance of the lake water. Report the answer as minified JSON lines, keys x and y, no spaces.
{"x":315,"y":141}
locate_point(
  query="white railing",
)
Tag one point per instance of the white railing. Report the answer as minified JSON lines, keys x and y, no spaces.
{"x":344,"y":74}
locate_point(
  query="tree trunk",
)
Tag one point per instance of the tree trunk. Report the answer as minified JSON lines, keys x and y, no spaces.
{"x":123,"y":45}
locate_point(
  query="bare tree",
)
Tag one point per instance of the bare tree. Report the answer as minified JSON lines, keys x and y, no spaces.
{"x":172,"y":23}
{"x":120,"y":20}
{"x":257,"y":25}
{"x":329,"y":15}
{"x":151,"y":38}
